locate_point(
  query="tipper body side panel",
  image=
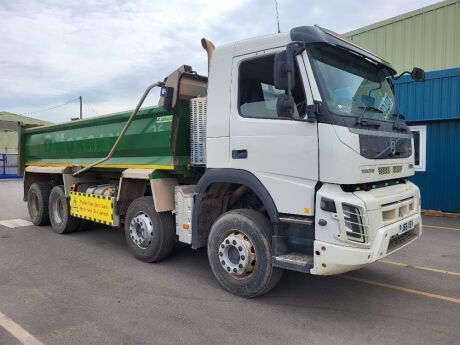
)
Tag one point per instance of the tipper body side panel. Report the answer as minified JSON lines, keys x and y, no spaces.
{"x":150,"y":142}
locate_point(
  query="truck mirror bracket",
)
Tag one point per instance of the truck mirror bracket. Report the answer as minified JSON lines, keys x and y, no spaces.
{"x":313,"y":110}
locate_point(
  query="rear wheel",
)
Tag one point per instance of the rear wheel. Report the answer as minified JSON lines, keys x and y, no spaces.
{"x":240,"y":254}
{"x":37,"y":203}
{"x":150,"y":235}
{"x":59,"y":212}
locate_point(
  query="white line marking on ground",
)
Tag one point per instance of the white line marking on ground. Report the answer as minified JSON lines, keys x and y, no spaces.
{"x":423,"y":268}
{"x":440,"y":227}
{"x":17,"y":331}
{"x":400,"y":288}
{"x":15,"y":223}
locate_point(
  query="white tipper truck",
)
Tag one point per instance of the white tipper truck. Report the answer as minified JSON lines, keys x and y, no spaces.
{"x":301,"y":162}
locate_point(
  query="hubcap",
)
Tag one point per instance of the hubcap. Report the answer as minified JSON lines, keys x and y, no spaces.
{"x":141,"y":230}
{"x":58,"y":210}
{"x":237,"y":254}
{"x":33,"y":205}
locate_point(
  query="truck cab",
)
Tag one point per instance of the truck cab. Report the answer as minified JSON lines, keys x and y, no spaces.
{"x":337,"y":169}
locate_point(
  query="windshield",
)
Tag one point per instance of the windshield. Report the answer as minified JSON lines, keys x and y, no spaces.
{"x":351,"y":85}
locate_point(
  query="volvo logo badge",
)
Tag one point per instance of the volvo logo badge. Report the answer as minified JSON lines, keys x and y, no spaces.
{"x":392,"y":146}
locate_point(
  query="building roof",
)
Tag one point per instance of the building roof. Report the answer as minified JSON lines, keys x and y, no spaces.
{"x":7,"y":116}
{"x":401,"y":17}
{"x":9,"y":140}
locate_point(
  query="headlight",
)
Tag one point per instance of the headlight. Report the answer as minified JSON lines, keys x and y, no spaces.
{"x":354,"y":223}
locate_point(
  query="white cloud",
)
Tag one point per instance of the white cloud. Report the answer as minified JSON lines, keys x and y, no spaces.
{"x":108,"y":51}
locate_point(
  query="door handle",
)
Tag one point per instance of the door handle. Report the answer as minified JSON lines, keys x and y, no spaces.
{"x":239,"y":154}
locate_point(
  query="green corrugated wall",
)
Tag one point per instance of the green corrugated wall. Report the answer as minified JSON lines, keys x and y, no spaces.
{"x":428,"y":38}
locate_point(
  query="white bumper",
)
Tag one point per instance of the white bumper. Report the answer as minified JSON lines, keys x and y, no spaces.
{"x":334,"y":254}
{"x":335,"y":259}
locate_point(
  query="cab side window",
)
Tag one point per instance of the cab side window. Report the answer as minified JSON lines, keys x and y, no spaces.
{"x":257,"y":94}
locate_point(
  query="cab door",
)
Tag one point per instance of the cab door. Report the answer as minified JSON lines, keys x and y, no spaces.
{"x":281,"y":152}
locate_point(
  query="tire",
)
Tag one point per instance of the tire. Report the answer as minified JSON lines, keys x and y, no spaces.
{"x":246,"y":270}
{"x":59,"y":212}
{"x":37,"y":203}
{"x":150,"y":235}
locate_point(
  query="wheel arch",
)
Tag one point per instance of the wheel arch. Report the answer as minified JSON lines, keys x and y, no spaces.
{"x":232,"y":176}
{"x":38,"y":174}
{"x":136,"y":183}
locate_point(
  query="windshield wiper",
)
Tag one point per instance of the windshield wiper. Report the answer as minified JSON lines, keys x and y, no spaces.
{"x":367,"y":122}
{"x":377,"y":110}
{"x":362,"y":121}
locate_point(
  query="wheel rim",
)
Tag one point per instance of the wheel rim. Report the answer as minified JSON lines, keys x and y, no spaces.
{"x":58,"y":210}
{"x":33,"y":206}
{"x":141,"y":230}
{"x":237,"y":254}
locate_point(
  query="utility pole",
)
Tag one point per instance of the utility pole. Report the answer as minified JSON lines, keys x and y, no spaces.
{"x":81,"y":107}
{"x":277,"y":18}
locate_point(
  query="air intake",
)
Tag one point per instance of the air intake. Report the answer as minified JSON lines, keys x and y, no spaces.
{"x":384,"y":170}
{"x":397,"y":169}
{"x":198,"y":109}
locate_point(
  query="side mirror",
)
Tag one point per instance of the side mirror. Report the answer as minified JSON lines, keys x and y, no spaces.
{"x":418,"y":74}
{"x":283,"y":65}
{"x":285,"y":106}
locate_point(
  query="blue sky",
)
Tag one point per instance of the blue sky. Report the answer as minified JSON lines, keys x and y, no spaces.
{"x":108,"y":51}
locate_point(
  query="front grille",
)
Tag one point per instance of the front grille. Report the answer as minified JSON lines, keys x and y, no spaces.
{"x":378,"y":147}
{"x":398,"y":210}
{"x":397,"y":241}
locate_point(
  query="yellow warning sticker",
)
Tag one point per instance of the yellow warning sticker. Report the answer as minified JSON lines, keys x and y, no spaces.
{"x":96,"y":208}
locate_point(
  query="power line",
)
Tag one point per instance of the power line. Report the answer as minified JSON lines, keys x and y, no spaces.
{"x":94,"y":111}
{"x":50,"y":108}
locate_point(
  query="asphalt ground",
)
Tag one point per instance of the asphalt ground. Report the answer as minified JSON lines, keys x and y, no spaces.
{"x":86,"y":288}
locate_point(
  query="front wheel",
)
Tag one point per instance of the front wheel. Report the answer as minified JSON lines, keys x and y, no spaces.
{"x":240,"y":254}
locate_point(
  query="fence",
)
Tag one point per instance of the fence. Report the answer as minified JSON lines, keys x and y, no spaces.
{"x":8,"y":166}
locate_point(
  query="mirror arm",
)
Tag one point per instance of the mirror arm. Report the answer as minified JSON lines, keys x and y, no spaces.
{"x":289,"y":77}
{"x":292,"y":49}
{"x":399,"y":76}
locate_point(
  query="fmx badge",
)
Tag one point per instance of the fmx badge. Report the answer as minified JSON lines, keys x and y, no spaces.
{"x":96,"y":208}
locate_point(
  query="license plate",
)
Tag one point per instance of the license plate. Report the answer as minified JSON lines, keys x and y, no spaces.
{"x":405,"y":227}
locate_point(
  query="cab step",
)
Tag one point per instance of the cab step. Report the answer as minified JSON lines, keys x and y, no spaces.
{"x":294,"y":261}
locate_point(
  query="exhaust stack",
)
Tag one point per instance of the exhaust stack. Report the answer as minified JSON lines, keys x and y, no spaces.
{"x":209,"y":47}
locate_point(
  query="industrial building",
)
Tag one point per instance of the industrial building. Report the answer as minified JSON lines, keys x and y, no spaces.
{"x":428,"y":38}
{"x":9,"y":141}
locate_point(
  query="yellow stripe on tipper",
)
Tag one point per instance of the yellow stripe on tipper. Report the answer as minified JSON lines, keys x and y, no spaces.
{"x":96,"y":208}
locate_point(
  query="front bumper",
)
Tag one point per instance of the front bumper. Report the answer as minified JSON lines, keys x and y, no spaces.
{"x":333,"y":254}
{"x":334,"y":259}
